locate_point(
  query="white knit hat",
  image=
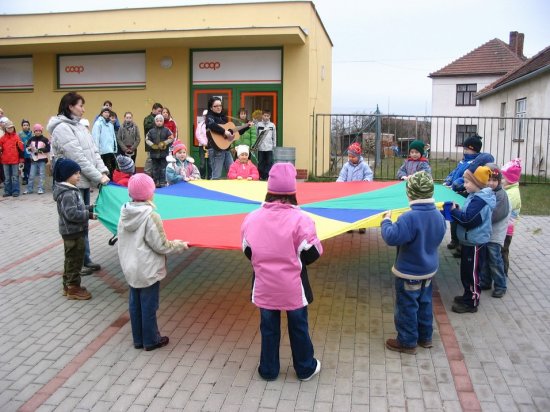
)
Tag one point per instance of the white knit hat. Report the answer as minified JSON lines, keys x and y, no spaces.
{"x":242,"y":149}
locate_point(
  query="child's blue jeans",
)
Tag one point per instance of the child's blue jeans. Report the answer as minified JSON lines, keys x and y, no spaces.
{"x":493,"y":268}
{"x":144,"y":303}
{"x":300,"y":343}
{"x":11,"y":182}
{"x":413,"y":311}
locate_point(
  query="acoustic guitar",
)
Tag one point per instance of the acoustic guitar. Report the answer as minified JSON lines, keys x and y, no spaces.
{"x":221,"y":141}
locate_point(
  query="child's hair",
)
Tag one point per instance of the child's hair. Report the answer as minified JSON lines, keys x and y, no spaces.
{"x":157,"y":106}
{"x":167,"y":111}
{"x":289,"y":199}
{"x":128,"y":113}
{"x":266,"y":111}
{"x":25,"y":121}
{"x":243,"y":110}
{"x":108,"y":102}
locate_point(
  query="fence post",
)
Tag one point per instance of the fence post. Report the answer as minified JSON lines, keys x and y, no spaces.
{"x":377,"y":138}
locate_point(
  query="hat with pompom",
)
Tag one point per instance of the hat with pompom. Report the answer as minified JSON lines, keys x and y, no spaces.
{"x":420,"y":186}
{"x":177,"y":146}
{"x":512,"y":170}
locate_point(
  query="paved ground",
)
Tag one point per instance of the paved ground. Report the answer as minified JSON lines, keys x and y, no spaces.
{"x":65,"y":355}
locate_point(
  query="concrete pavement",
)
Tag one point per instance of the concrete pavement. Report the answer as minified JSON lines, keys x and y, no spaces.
{"x":78,"y":355}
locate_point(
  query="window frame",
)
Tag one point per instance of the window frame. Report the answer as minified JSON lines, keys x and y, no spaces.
{"x":470,"y":89}
{"x":520,"y":124}
{"x":461,"y":135}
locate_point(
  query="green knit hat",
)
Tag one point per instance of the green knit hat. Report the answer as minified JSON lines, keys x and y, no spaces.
{"x":417,"y":145}
{"x":420,"y":186}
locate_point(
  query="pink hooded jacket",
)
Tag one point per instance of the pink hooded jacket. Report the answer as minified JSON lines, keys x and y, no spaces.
{"x":280,"y":240}
{"x":243,"y":170}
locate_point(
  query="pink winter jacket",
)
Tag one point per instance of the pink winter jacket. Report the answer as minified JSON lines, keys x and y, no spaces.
{"x":243,"y":170}
{"x":280,"y":240}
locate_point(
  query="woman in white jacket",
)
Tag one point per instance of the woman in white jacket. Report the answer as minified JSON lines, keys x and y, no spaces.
{"x":72,"y":140}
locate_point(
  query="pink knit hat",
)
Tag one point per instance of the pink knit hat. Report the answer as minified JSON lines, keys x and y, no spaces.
{"x":37,"y":126}
{"x":282,"y":179}
{"x":512,"y":170}
{"x":178,"y":146}
{"x":141,"y":187}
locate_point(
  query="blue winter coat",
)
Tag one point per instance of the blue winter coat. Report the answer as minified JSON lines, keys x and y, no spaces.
{"x":474,"y":219}
{"x":417,"y":235}
{"x":470,"y":162}
{"x":353,"y":173}
{"x":104,"y":136}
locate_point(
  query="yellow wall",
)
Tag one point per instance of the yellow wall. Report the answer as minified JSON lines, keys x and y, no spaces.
{"x":173,"y":31}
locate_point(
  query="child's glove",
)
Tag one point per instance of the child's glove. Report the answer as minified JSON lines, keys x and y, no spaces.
{"x":162,"y":145}
{"x":180,"y":245}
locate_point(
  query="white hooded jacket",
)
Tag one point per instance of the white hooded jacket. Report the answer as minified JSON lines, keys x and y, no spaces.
{"x":142,"y":245}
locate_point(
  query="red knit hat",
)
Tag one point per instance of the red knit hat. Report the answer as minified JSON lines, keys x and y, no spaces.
{"x":354,"y":149}
{"x":178,"y":146}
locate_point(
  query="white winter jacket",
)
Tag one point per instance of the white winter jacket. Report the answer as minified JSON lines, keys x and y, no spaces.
{"x":142,"y":245}
{"x":71,"y":140}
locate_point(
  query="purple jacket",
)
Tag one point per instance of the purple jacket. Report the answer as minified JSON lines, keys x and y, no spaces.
{"x":280,"y":240}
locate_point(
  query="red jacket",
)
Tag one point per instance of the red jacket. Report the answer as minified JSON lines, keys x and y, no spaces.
{"x":8,"y":147}
{"x":121,"y":178}
{"x":243,"y":170}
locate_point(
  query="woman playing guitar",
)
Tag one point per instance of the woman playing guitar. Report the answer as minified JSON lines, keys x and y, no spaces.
{"x":220,"y":137}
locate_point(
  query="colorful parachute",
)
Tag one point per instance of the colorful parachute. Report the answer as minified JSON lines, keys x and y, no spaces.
{"x":210,"y":213}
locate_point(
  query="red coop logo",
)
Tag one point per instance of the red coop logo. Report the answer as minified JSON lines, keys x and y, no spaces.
{"x":209,"y":65}
{"x":74,"y":69}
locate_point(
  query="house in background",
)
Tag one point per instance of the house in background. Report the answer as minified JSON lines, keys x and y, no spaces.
{"x":455,"y":85}
{"x":521,"y":99}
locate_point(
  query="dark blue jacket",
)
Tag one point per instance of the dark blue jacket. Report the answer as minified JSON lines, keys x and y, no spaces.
{"x":417,"y":235}
{"x":469,"y":162}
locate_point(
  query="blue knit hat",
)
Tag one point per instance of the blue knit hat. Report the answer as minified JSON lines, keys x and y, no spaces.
{"x":64,"y":168}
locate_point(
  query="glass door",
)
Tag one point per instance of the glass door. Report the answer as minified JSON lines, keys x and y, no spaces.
{"x":200,"y":104}
{"x":255,"y":102}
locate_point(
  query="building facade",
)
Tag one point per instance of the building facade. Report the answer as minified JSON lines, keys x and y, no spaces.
{"x":275,"y":56}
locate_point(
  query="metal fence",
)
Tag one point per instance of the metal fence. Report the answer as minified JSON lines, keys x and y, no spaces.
{"x":385,"y":141}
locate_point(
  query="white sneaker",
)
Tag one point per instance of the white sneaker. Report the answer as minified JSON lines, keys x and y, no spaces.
{"x":317,"y":370}
{"x":40,"y":191}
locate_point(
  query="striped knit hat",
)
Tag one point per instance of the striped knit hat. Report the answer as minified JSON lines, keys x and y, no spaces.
{"x":420,"y":186}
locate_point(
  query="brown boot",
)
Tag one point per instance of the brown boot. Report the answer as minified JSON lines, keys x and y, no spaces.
{"x":395,"y":345}
{"x":75,"y":292}
{"x":65,"y":288}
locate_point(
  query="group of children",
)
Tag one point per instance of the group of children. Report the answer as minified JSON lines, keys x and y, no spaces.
{"x":481,"y":231}
{"x":25,"y":153}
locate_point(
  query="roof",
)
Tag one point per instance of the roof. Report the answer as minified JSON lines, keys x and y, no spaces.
{"x":539,"y":61}
{"x":492,"y":58}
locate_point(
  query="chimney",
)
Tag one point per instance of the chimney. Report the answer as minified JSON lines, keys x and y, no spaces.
{"x":516,"y":43}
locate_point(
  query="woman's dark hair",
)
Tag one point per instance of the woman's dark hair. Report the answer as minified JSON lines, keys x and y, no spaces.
{"x":211,"y":101}
{"x":70,"y":99}
{"x":290,"y":199}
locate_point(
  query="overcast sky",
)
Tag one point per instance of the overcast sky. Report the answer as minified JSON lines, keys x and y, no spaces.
{"x":383,"y":50}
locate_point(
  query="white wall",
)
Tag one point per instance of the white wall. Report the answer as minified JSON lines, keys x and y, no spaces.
{"x":534,"y":148}
{"x":444,"y":104}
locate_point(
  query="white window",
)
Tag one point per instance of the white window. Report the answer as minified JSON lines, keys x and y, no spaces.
{"x":521,"y":123}
{"x":465,"y":94}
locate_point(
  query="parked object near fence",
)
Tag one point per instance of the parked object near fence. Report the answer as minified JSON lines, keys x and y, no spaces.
{"x":284,"y":154}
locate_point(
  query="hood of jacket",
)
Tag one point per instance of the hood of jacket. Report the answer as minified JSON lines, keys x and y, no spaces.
{"x":57,"y":120}
{"x":62,"y":187}
{"x":134,"y":214}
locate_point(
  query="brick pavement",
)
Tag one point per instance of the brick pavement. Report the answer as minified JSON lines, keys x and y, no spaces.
{"x":72,"y":355}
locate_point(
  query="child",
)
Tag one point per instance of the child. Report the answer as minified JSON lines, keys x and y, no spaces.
{"x":511,"y":173}
{"x":280,"y":240}
{"x":11,"y":154}
{"x":415,"y":162}
{"x":128,"y":137}
{"x":39,"y":149}
{"x":356,"y":169}
{"x":471,"y":160}
{"x":181,"y":168}
{"x":103,"y":133}
{"x":493,"y":266}
{"x":243,"y":168}
{"x":159,"y":139}
{"x":417,"y":235}
{"x":266,"y":133}
{"x":473,"y":231}
{"x":73,"y":224}
{"x":25,"y":135}
{"x":142,"y":246}
{"x":248,"y":137}
{"x":125,"y":169}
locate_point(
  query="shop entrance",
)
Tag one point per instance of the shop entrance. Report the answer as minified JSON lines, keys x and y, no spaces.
{"x":233,"y":99}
